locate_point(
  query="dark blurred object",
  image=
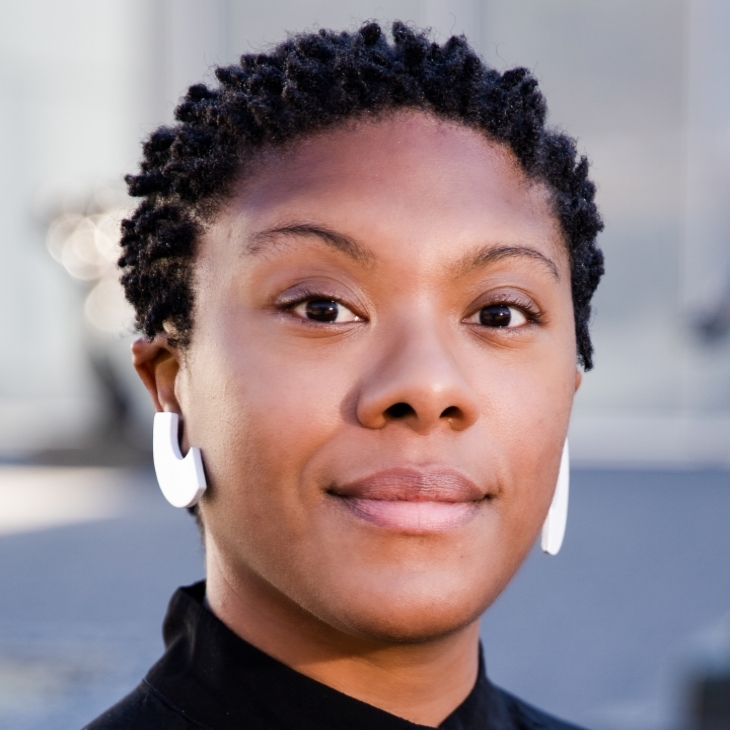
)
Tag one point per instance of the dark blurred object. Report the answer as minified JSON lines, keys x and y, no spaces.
{"x":714,"y":325}
{"x":711,"y":703}
{"x":707,"y":678}
{"x":116,"y":439}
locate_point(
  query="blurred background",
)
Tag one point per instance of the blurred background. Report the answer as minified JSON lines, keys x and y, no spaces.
{"x":630,"y":626}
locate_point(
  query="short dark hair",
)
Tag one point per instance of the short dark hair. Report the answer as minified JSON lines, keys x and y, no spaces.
{"x":308,"y":83}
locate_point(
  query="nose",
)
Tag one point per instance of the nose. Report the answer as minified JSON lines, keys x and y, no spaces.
{"x":417,"y":381}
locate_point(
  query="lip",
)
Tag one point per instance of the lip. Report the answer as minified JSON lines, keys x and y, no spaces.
{"x":414,"y":501}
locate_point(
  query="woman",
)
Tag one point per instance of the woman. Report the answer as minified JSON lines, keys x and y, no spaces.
{"x":363,"y":272}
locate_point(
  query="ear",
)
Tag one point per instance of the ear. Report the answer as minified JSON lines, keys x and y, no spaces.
{"x":157,"y":365}
{"x":578,"y":378}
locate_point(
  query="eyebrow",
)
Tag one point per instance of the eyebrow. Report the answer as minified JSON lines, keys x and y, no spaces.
{"x":350,"y":247}
{"x":339,"y":241}
{"x":490,"y":253}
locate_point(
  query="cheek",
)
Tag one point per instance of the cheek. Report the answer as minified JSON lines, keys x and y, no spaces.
{"x":527,"y":406}
{"x":259,"y":416}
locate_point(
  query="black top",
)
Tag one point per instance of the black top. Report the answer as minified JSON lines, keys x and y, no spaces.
{"x":211,"y":679}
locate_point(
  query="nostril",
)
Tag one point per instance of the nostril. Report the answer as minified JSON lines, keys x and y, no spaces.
{"x":400,"y":410}
{"x":450,"y":412}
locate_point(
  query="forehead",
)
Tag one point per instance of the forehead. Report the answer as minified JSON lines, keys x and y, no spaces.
{"x":408,"y":176}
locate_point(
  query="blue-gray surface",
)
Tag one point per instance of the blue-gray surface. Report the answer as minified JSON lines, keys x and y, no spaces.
{"x":597,"y":634}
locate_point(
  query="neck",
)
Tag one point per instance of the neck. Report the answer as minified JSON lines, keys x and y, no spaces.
{"x":423,"y":682}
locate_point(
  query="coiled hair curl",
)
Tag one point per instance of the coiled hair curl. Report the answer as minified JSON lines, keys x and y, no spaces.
{"x":305,"y":84}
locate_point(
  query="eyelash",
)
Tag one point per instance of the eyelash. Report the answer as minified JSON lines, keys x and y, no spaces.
{"x":306,"y":295}
{"x":531,"y":312}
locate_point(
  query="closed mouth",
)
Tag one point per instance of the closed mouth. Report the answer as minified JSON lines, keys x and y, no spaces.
{"x":410,"y":500}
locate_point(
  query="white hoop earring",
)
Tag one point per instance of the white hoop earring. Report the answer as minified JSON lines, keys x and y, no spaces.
{"x":182,"y":481}
{"x":553,"y":530}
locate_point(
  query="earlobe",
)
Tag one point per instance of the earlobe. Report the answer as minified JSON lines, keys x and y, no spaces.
{"x":157,"y":365}
{"x":181,"y":479}
{"x":578,"y":378}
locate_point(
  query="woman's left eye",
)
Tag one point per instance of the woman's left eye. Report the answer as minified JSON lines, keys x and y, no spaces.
{"x":325,"y":310}
{"x":499,"y":316}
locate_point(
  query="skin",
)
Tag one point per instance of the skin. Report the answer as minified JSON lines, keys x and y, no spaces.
{"x":413,"y":225}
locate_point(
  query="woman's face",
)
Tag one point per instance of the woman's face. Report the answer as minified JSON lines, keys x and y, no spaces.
{"x":381,"y":375}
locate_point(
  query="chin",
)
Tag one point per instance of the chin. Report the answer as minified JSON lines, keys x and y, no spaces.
{"x":407,"y":610}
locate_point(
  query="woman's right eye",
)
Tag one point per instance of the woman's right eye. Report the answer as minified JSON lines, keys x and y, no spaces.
{"x":325,"y":310}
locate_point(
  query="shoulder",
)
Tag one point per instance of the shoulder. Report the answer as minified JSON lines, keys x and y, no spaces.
{"x":143,"y":709}
{"x":527,"y":717}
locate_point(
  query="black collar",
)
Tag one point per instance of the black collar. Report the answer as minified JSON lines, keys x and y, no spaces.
{"x":217,"y":680}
